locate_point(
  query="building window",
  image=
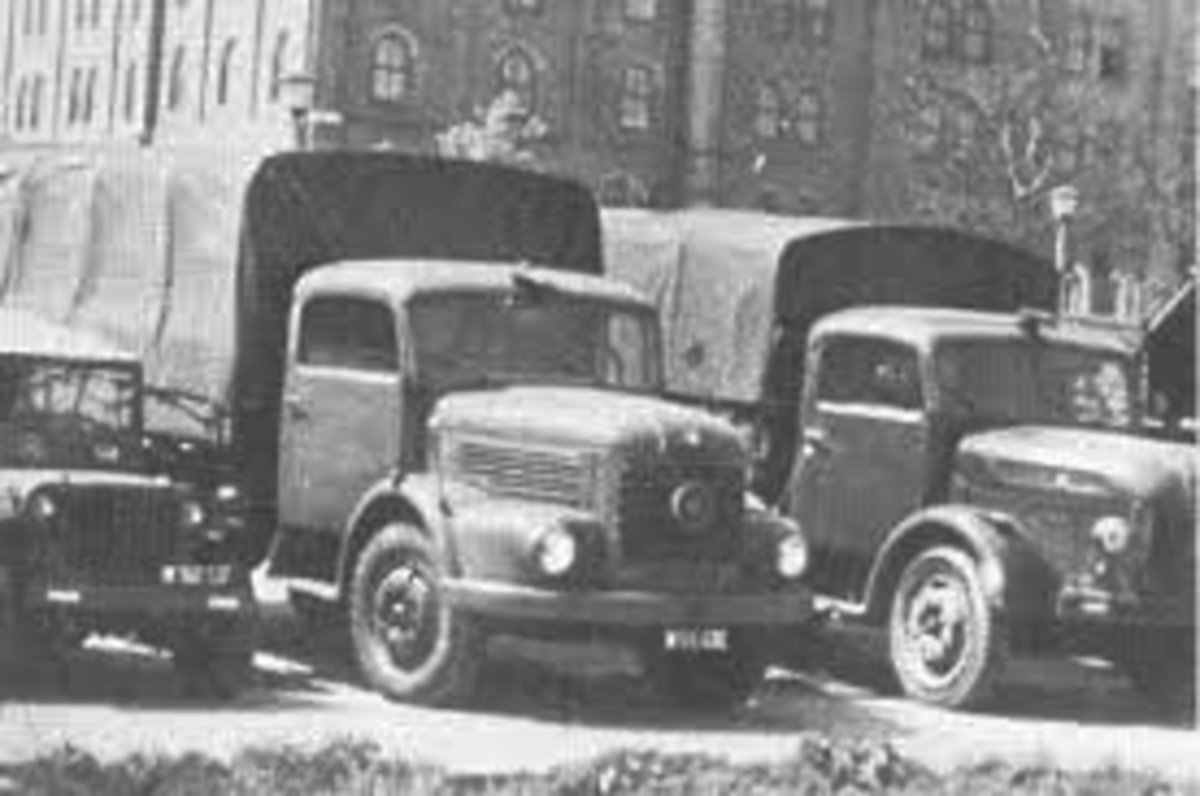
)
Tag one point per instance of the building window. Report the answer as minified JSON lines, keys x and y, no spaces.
{"x":177,"y":84}
{"x":97,"y":12}
{"x":523,"y":6}
{"x":80,"y":14}
{"x":778,"y":18}
{"x":816,"y":18}
{"x":89,"y":95}
{"x":75,"y":96}
{"x":22,"y":102}
{"x":958,"y":31}
{"x":225,"y":73}
{"x":131,"y":91}
{"x":1111,"y":50}
{"x":768,"y":113}
{"x":1079,"y":45}
{"x":809,"y":116}
{"x":35,"y":103}
{"x":43,"y":17}
{"x":393,"y":67}
{"x":278,"y":64}
{"x":517,"y":74}
{"x":637,"y":98}
{"x":641,"y":10}
{"x":135,"y":10}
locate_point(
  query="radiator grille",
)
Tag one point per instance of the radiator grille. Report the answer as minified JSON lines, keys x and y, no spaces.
{"x":524,"y":472}
{"x":649,"y":530}
{"x":117,"y":535}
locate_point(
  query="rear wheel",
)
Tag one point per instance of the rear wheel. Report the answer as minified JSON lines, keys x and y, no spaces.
{"x":411,"y":645}
{"x":706,"y":679}
{"x":946,"y":643}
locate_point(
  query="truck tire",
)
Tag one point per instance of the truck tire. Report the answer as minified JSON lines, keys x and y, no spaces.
{"x":711,"y":680}
{"x":946,"y":644}
{"x":216,"y":662}
{"x":410,"y":644}
{"x":1161,"y":665}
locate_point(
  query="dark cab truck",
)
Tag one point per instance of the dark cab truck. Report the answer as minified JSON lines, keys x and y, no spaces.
{"x":974,"y":477}
{"x":442,"y":442}
{"x":94,"y":535}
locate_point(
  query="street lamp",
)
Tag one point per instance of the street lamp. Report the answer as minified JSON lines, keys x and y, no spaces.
{"x":1064,"y":203}
{"x":298,"y":93}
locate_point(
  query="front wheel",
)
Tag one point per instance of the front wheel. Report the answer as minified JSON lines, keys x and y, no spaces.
{"x":946,"y":643}
{"x":706,"y":679}
{"x":410,"y":644}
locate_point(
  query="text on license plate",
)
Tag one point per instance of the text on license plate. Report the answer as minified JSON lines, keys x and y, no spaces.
{"x":696,"y":639}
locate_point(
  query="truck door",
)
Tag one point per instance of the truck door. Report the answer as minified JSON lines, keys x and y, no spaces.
{"x":341,"y":412}
{"x":864,"y":442}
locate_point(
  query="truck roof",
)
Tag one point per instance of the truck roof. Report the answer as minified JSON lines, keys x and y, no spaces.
{"x":398,"y":281}
{"x":922,"y":327}
{"x":25,"y":333}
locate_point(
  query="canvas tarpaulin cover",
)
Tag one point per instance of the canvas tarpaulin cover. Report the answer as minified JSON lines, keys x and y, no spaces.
{"x":188,"y":258}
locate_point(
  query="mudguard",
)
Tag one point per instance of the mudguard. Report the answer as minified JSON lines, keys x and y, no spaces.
{"x":414,"y":499}
{"x":1018,"y":582}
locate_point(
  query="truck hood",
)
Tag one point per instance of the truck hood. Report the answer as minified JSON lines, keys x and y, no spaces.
{"x":1120,"y":463}
{"x":16,"y":485}
{"x":583,"y":417}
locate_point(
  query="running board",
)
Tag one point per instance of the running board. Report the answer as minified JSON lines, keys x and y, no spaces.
{"x":837,"y":609}
{"x":317,"y":588}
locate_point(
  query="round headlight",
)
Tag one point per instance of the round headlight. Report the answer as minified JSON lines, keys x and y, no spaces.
{"x":192,"y":514}
{"x":694,"y":505}
{"x":42,"y":507}
{"x":1112,"y":534}
{"x":791,"y":557}
{"x":556,"y":551}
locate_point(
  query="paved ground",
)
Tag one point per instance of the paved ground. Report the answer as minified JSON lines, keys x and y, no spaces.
{"x":121,"y":699}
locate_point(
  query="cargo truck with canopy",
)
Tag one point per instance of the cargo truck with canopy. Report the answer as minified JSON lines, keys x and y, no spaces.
{"x":446,"y":423}
{"x":973,"y":471}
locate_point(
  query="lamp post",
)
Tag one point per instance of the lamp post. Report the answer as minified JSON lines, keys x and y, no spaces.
{"x":298,"y":93}
{"x":1064,"y":203}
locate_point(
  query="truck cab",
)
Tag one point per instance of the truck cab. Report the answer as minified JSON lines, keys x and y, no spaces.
{"x":94,"y":536}
{"x":478,"y":448}
{"x":976,"y":482}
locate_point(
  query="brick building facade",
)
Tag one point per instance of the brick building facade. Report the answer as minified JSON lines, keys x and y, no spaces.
{"x":954,"y":110}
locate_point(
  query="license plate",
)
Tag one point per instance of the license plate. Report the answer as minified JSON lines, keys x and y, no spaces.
{"x":696,"y":640}
{"x":197,"y":574}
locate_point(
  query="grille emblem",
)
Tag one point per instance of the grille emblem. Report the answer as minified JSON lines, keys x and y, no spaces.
{"x":694,"y":505}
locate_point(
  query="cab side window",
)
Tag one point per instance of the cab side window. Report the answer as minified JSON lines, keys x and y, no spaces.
{"x":871,"y":372}
{"x":349,"y":333}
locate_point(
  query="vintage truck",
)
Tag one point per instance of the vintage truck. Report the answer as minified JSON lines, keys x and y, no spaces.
{"x":95,"y":535}
{"x":974,"y":477}
{"x":440,"y":439}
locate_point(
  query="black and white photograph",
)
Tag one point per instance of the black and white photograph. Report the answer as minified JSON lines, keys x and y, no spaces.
{"x":598,"y":397}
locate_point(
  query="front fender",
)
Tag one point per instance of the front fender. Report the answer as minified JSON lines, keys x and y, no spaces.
{"x":1017,"y":581}
{"x":413,"y":500}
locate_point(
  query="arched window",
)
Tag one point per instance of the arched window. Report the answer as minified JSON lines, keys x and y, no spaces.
{"x":637,"y":97}
{"x":768,"y":113}
{"x":935,"y":30}
{"x":393,"y":67}
{"x":131,"y":89}
{"x":976,"y":46}
{"x":278,"y":64}
{"x":80,"y":14}
{"x":97,"y":12}
{"x":516,"y":73}
{"x":810,"y":112}
{"x":177,"y":83}
{"x":816,"y":18}
{"x":224,"y":74}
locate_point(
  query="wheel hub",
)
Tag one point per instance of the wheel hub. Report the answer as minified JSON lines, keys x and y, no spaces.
{"x":405,"y":614}
{"x":937,"y":625}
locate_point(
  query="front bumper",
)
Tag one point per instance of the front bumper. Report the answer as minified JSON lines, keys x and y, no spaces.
{"x":1082,"y":604}
{"x":631,"y":608}
{"x":150,"y":602}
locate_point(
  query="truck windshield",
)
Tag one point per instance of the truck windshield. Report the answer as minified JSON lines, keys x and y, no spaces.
{"x":471,"y":338}
{"x":1034,"y":382}
{"x":67,"y":414}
